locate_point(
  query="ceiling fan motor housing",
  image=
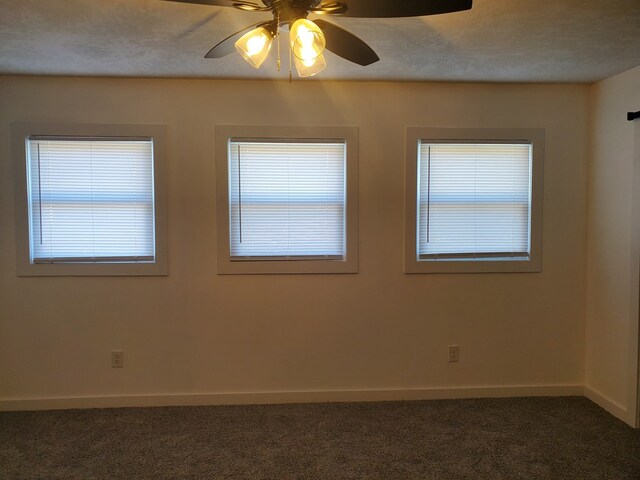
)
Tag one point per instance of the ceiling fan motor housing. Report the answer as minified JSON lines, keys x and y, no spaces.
{"x":288,"y":11}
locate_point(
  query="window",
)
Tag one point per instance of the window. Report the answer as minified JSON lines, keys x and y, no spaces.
{"x":473,"y":200}
{"x":89,"y":202}
{"x":289,"y":199}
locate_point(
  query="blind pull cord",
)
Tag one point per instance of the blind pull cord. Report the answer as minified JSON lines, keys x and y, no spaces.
{"x":428,"y":190}
{"x":39,"y":193}
{"x":93,"y":223}
{"x":239,"y":196}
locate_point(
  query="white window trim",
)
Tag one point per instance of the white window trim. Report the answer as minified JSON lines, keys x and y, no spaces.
{"x":223,"y":133}
{"x":21,"y":132}
{"x":433,"y":134}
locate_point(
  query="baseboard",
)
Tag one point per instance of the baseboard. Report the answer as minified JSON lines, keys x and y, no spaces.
{"x":250,"y":398}
{"x":609,"y":405}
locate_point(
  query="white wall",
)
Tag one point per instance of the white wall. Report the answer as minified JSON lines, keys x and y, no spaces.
{"x":195,"y":332}
{"x":613,"y":255}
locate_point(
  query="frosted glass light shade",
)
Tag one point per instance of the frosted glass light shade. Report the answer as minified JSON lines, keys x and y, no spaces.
{"x":311,"y":67}
{"x":255,"y":45}
{"x":307,"y":40}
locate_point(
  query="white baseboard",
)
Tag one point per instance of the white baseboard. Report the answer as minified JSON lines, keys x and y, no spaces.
{"x":256,"y":398}
{"x":609,"y":405}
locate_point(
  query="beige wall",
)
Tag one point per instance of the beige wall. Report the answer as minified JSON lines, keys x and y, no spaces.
{"x":197,"y":332}
{"x":612,"y":295}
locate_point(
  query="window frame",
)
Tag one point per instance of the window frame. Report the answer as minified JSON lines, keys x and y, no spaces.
{"x":226,"y":266}
{"x":21,"y":132}
{"x":533,"y":136}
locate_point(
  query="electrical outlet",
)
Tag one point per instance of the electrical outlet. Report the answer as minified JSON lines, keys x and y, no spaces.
{"x":454,"y":353}
{"x":117,"y":359}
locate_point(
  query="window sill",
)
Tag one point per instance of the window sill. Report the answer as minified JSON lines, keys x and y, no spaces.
{"x":531,"y":265}
{"x":157,"y":268}
{"x":284,"y":267}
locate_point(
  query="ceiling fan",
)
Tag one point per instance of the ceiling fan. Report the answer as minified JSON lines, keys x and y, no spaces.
{"x":308,"y":39}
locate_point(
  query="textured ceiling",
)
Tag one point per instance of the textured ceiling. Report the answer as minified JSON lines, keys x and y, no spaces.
{"x":498,"y":40}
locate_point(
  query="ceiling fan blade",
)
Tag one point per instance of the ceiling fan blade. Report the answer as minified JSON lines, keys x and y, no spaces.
{"x":401,"y":8}
{"x":217,"y":3}
{"x":227,"y":46}
{"x":346,"y":44}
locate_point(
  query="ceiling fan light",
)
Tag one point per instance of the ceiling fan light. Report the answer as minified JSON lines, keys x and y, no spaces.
{"x":255,"y":45}
{"x":307,"y":40}
{"x":309,"y":68}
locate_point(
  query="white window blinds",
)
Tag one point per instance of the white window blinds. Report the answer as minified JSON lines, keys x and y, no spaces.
{"x":91,"y":200}
{"x":474,"y":201}
{"x":287,"y":199}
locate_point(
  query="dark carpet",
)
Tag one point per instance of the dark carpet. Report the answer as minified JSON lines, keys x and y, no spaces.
{"x":523,"y":438}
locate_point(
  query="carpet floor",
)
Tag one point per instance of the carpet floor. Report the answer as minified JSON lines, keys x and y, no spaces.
{"x":522,"y":438}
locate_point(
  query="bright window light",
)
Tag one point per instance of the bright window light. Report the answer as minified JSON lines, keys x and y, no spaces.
{"x":287,"y":200}
{"x":474,"y":201}
{"x":91,"y":200}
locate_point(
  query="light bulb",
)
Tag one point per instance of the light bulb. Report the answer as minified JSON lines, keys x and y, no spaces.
{"x":307,"y":40}
{"x":255,"y":45}
{"x":310,"y":67}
